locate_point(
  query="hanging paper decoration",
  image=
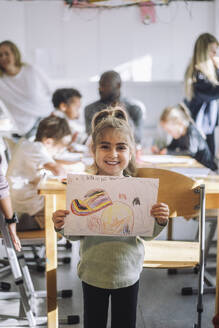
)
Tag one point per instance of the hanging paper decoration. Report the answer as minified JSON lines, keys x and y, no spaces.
{"x":148,"y":13}
{"x":117,"y":4}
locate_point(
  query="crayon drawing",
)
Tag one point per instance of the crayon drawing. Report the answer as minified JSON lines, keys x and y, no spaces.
{"x":113,"y":206}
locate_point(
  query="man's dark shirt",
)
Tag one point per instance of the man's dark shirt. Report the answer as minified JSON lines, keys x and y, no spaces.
{"x":134,"y":108}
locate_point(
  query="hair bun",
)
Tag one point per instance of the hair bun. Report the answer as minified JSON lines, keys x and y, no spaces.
{"x":116,"y":112}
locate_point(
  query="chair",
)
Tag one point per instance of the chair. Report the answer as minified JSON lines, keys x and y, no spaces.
{"x":34,"y":249}
{"x":210,"y":257}
{"x":22,"y":279}
{"x":185,"y":198}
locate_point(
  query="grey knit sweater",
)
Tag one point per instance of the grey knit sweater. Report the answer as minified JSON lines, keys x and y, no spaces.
{"x":111,"y":262}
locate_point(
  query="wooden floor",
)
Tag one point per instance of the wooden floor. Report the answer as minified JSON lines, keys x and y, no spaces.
{"x":160,"y":302}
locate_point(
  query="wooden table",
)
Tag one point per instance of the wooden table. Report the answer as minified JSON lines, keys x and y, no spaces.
{"x":212,"y":202}
{"x":54,"y":192}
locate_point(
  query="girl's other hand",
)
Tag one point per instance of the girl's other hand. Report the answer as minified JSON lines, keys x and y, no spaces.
{"x":59,"y":218}
{"x":161,"y":212}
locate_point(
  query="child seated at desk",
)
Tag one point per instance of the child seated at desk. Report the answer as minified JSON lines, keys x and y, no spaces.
{"x":67,"y":102}
{"x":28,"y":166}
{"x":187,"y":140}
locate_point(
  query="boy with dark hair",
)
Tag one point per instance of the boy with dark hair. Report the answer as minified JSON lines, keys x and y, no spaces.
{"x":67,"y":102}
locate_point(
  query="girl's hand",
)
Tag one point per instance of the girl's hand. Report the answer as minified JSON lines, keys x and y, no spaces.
{"x":14,"y":237}
{"x":59,"y":218}
{"x":155,"y":149}
{"x":161,"y":212}
{"x":163,"y":151}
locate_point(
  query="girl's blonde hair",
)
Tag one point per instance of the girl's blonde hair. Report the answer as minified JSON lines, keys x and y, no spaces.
{"x":115,"y":118}
{"x":200,"y":61}
{"x":16,"y":53}
{"x":177,"y":114}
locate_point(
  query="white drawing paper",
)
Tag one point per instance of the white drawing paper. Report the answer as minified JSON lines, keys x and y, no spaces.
{"x":110,"y":206}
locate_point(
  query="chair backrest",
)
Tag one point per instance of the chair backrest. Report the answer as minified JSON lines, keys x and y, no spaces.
{"x":176,"y":190}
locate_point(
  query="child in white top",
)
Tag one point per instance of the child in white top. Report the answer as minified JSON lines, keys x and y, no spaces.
{"x":28,"y":164}
{"x":111,"y":266}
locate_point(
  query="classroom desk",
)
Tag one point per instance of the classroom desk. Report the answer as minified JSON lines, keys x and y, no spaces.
{"x":54,"y":193}
{"x":212,"y":202}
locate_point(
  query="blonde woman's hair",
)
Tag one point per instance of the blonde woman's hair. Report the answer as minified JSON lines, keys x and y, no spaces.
{"x":16,"y":53}
{"x":115,"y":118}
{"x":200,"y":61}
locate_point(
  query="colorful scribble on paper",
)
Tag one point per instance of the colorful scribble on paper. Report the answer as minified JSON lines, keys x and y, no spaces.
{"x":94,"y":201}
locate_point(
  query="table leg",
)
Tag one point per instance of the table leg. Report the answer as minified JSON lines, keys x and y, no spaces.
{"x":216,"y":317}
{"x":170,"y":229}
{"x":51,"y":262}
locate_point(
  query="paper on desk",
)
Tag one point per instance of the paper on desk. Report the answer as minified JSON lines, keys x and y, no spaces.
{"x":165,"y":159}
{"x":113,"y":206}
{"x":87,"y":160}
{"x":192,"y":171}
{"x":68,"y":156}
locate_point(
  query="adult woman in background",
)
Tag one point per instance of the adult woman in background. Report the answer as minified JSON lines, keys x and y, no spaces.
{"x":202,"y":86}
{"x":24,"y":89}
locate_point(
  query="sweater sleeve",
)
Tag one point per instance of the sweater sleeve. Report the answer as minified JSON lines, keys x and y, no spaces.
{"x":172,"y":146}
{"x":72,"y":238}
{"x":174,"y":149}
{"x":157,"y":230}
{"x":204,"y":89}
{"x":4,"y":189}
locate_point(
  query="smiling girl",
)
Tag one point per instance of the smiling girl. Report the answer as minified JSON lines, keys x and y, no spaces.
{"x":111,"y":266}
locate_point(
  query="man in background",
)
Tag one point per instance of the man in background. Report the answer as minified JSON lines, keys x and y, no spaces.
{"x":109,"y":89}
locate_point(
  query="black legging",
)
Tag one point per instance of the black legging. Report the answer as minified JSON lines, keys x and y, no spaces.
{"x":123,"y":306}
{"x":211,"y":142}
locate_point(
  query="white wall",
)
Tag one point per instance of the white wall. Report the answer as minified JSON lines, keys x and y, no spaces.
{"x":74,"y":45}
{"x":80,"y":43}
